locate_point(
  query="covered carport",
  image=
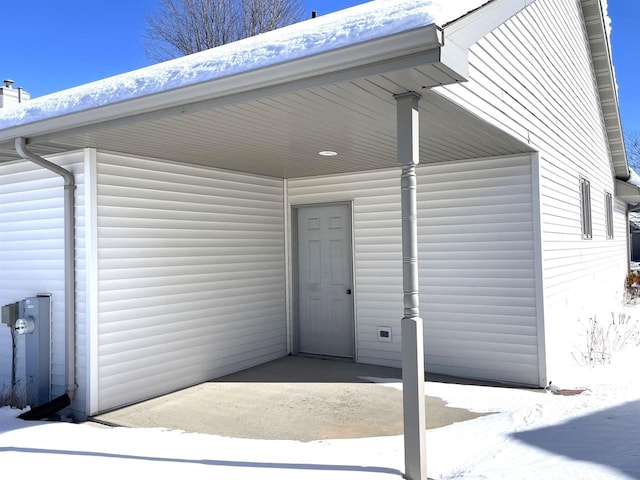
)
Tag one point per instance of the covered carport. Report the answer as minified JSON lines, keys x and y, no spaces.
{"x":369,"y":100}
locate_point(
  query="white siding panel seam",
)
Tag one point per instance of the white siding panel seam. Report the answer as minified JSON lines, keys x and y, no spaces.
{"x":539,"y":268}
{"x":91,"y":272}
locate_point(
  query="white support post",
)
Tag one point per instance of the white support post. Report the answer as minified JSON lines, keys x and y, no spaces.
{"x":412,"y":338}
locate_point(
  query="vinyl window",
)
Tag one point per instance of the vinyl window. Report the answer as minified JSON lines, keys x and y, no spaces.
{"x":585,"y":208}
{"x":608,"y":212}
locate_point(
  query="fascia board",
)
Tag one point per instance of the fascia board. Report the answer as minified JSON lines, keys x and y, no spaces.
{"x":470,"y":28}
{"x":402,"y":50}
{"x":455,"y":60}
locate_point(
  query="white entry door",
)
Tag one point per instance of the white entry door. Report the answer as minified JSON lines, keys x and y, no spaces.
{"x":325,"y":300}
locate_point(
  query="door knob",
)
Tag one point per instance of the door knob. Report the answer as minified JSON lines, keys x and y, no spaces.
{"x":348,"y":291}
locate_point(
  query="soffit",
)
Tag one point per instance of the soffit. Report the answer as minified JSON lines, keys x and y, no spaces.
{"x":605,"y":79}
{"x":281,"y":135}
{"x":278,"y":126}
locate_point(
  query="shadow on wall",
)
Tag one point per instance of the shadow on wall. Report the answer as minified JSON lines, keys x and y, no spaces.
{"x":609,"y":437}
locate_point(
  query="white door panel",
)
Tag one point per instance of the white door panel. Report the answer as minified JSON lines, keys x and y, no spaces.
{"x":324,"y":277}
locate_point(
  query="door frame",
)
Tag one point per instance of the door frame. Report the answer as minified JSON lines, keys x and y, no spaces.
{"x":294,"y":271}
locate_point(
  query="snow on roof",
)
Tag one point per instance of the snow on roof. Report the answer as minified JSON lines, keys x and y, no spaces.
{"x":604,"y":4}
{"x":354,"y":25}
{"x":634,"y":178}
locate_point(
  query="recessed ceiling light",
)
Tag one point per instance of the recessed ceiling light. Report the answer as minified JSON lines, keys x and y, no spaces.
{"x":328,"y":153}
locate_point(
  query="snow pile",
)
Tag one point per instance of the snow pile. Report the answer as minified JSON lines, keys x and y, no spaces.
{"x":330,"y":32}
{"x":534,"y":435}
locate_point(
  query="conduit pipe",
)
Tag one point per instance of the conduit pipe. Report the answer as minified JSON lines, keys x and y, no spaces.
{"x":69,"y":261}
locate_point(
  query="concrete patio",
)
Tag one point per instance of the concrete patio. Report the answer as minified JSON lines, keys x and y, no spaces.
{"x":292,"y":398}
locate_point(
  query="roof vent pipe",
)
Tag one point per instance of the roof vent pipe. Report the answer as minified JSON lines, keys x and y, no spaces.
{"x":69,"y":261}
{"x":8,"y":83}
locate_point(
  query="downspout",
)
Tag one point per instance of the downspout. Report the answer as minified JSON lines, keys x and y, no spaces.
{"x":69,"y":261}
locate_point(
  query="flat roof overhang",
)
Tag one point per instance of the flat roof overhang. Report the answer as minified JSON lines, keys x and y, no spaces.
{"x":281,"y":136}
{"x":273,"y":121}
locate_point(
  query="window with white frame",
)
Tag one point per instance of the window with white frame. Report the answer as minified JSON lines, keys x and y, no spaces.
{"x":608,"y":212}
{"x":585,"y":208}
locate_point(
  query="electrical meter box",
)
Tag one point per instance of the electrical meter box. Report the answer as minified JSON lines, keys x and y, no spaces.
{"x":34,"y":323}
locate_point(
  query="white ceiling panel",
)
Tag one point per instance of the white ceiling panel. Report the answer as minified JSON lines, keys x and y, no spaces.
{"x":281,"y":135}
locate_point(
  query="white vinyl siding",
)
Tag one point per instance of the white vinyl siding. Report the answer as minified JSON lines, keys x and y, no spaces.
{"x":477,"y":270}
{"x":32,"y":260}
{"x":191,"y":276}
{"x":533,"y":77}
{"x":476,"y":258}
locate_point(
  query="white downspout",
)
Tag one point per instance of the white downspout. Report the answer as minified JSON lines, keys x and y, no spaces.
{"x":69,"y":261}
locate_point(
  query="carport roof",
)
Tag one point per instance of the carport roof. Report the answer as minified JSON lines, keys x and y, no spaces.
{"x":270,"y":103}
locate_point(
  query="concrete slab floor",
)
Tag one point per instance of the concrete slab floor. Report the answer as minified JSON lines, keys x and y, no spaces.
{"x":292,"y":398}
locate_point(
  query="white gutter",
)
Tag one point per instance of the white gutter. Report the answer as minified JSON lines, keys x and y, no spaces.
{"x":627,"y":191}
{"x":69,"y":260}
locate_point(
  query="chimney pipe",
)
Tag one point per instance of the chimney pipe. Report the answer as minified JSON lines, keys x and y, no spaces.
{"x":10,"y":96}
{"x":314,"y":14}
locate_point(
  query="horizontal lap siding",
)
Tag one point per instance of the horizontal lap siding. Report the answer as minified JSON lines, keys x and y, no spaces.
{"x":476,"y":264}
{"x":477,"y":282}
{"x":534,"y":78}
{"x":32,"y":260}
{"x":191,"y":276}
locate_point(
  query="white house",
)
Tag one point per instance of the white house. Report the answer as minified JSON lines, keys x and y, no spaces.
{"x":215,"y":230}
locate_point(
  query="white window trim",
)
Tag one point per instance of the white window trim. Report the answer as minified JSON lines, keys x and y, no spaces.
{"x":608,"y":214}
{"x":585,"y":209}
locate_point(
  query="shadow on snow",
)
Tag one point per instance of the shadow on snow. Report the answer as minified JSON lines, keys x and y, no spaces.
{"x":609,"y":437}
{"x":213,"y":463}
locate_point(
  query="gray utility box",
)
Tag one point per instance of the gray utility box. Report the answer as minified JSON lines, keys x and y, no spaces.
{"x":34,"y":323}
{"x":10,"y":314}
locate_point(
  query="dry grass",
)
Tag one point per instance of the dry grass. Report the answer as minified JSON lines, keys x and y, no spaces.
{"x":603,"y":339}
{"x":13,"y":398}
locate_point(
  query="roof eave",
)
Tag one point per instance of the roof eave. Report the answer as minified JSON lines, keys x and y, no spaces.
{"x":394,"y":52}
{"x":607,"y":89}
{"x":627,"y":192}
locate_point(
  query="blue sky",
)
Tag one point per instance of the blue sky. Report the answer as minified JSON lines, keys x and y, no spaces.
{"x":53,"y":45}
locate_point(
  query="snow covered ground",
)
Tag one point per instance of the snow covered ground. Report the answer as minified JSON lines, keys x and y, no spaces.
{"x":535,"y":435}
